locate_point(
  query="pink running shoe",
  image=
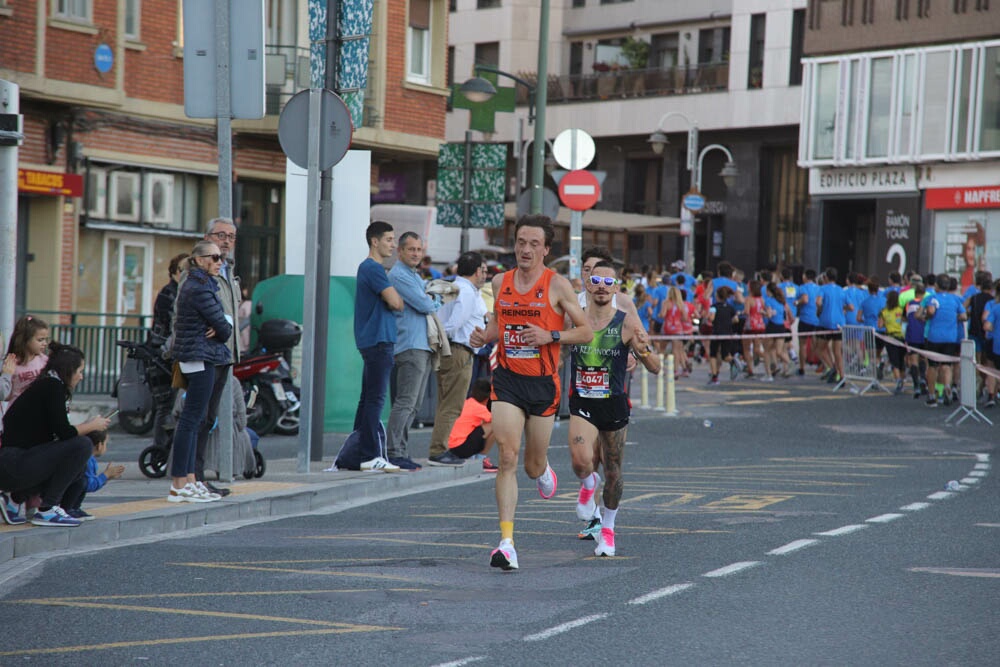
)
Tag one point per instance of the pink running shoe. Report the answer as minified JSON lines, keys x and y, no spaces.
{"x":546,"y":491}
{"x":585,"y":504}
{"x":605,"y":543}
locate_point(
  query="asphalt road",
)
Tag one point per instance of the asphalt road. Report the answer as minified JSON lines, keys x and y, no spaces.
{"x":799,"y":528}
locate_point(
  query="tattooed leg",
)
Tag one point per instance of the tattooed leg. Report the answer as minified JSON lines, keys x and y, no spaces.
{"x":612,"y":451}
{"x":582,"y":446}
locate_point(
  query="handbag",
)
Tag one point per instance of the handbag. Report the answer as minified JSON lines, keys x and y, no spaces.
{"x":177,"y":380}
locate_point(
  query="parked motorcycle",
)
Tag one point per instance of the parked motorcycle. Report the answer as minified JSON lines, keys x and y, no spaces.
{"x":268,"y":371}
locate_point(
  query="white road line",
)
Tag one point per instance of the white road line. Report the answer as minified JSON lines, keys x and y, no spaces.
{"x":982,"y":457}
{"x":883,"y":518}
{"x":981,"y":466}
{"x":843,"y":530}
{"x":732,"y":569}
{"x":977,"y":473}
{"x":661,"y":593}
{"x":969,"y":480}
{"x":940,"y":495}
{"x":913,"y":507}
{"x":791,"y":546}
{"x":565,"y":627}
{"x":463,"y":661}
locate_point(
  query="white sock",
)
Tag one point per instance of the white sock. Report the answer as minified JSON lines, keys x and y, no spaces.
{"x":608,"y":520}
{"x":590,"y":481}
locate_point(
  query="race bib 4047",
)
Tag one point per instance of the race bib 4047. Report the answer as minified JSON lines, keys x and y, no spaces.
{"x":593,"y":382}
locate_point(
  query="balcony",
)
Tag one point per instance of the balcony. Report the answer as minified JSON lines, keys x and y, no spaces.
{"x":626,"y":83}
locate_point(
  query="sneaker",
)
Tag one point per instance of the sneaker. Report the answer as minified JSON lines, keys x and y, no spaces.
{"x":899,"y":387}
{"x":715,"y":381}
{"x":218,"y":490}
{"x":585,"y":505}
{"x":489,"y":466}
{"x":991,"y":402}
{"x":591,"y":530}
{"x":10,"y":511}
{"x":800,"y":372}
{"x":204,"y":491}
{"x":734,"y":371}
{"x":188,"y":494}
{"x":605,"y":543}
{"x":504,"y":556}
{"x":767,"y":378}
{"x":405,"y":463}
{"x":80,"y":515}
{"x":54,"y":517}
{"x":446,"y":459}
{"x":379,"y":464}
{"x":931,"y":402}
{"x":546,"y":491}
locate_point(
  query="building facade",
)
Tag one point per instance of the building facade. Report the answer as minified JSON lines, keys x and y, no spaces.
{"x":622,"y":70}
{"x":900,"y":131}
{"x":115,"y":179}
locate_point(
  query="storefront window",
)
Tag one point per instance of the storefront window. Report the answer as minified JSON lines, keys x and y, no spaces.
{"x":966,"y":242}
{"x":936,"y":101}
{"x":989,"y":129}
{"x":880,"y":107}
{"x":825,"y":118}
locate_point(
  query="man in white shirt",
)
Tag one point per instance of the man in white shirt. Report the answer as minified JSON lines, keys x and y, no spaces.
{"x":454,"y":375}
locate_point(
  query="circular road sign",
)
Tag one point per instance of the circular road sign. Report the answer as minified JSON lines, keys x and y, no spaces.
{"x":336,"y":129}
{"x":572,"y":144}
{"x":579,"y":190}
{"x":694,"y":201}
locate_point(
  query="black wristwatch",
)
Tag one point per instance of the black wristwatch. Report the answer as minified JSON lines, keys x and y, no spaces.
{"x":556,"y":335}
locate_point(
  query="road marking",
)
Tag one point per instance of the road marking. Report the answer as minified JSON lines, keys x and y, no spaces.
{"x":883,"y":518}
{"x":791,"y":546}
{"x":959,"y":571}
{"x":981,"y":466}
{"x":565,"y":627}
{"x":988,"y":525}
{"x":325,"y":573}
{"x":222,"y":594}
{"x":843,"y":530}
{"x":982,"y":457}
{"x":940,"y":495}
{"x":463,"y":661}
{"x":977,"y":473}
{"x":913,"y":507}
{"x":661,"y":593}
{"x":745,"y":502}
{"x":969,"y":480}
{"x":732,"y":569}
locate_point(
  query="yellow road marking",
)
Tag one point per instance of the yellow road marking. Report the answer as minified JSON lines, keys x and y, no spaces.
{"x":682,"y":500}
{"x":220,"y":594}
{"x":185,"y":640}
{"x":325,"y":573}
{"x":747,"y":502}
{"x":959,"y":571}
{"x":391,"y":540}
{"x":793,"y":399}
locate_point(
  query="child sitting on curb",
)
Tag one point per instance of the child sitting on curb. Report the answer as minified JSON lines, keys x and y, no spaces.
{"x":473,"y":430}
{"x":90,"y":481}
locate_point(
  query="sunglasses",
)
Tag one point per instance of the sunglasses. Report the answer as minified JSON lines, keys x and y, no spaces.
{"x":215,"y":258}
{"x":597,"y":280}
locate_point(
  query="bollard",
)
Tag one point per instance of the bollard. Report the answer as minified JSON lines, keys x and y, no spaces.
{"x":659,"y":385}
{"x":671,"y":397}
{"x":644,"y":385}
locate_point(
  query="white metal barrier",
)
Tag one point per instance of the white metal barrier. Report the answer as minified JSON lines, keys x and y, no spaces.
{"x":861,"y":360}
{"x":967,"y":387}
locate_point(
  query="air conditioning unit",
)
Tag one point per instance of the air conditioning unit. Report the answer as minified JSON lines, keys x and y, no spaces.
{"x":123,"y":195}
{"x":97,"y":193}
{"x":158,"y":199}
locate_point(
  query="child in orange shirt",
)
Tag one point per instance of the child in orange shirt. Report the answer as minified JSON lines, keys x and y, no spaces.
{"x":473,"y":430}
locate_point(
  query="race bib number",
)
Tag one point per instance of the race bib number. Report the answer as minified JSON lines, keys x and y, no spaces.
{"x":514,"y":345}
{"x":593,"y":382}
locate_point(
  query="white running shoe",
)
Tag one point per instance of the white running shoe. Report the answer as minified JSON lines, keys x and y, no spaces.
{"x":504,"y":556}
{"x":188,"y":494}
{"x":203,"y":490}
{"x":547,"y":490}
{"x":605,"y":543}
{"x":585,"y":509}
{"x":380,"y":464}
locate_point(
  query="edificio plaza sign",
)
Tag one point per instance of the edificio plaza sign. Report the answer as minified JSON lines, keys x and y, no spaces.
{"x":862,"y":180}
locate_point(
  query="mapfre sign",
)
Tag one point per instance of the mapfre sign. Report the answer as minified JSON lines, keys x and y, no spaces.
{"x":956,"y":198}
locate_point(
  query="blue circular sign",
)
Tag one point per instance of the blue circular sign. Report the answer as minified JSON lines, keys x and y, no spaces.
{"x":104,"y":58}
{"x":694,"y":202}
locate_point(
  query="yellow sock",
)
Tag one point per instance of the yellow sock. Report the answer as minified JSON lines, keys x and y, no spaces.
{"x":507,"y":530}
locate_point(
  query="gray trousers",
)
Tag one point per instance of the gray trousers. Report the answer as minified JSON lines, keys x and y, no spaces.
{"x":410,"y":373}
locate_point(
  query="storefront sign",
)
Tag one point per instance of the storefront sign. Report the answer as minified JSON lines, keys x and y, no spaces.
{"x":897,"y":234}
{"x":50,"y":183}
{"x":957,"y":198}
{"x":862,"y":180}
{"x":391,"y":189}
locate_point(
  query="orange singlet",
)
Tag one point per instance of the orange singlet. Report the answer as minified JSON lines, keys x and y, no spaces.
{"x":514,"y":311}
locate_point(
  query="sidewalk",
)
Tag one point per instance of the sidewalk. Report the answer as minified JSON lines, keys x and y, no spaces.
{"x":135,"y":507}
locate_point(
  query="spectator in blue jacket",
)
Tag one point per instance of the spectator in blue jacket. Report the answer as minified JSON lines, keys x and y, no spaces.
{"x":201,"y":329}
{"x":91,"y":480}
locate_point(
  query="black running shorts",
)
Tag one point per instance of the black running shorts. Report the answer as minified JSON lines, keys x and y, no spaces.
{"x":606,"y":414}
{"x":537,"y":396}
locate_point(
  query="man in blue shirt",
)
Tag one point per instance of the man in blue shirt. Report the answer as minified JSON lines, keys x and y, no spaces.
{"x":805,"y":304}
{"x":412,"y":362}
{"x":375,"y":335}
{"x":831,"y":304}
{"x":942,"y":312}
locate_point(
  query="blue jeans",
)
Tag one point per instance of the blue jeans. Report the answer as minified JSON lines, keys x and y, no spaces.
{"x":199,"y":394}
{"x":374,"y":385}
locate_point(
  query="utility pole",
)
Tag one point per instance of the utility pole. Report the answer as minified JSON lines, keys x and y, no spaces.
{"x":11,"y":136}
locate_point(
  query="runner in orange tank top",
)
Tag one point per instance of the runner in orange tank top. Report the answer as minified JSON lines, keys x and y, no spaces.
{"x":530,"y":306}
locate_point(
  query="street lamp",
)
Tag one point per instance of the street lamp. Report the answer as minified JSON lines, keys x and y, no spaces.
{"x":477,"y":89}
{"x":729,"y":175}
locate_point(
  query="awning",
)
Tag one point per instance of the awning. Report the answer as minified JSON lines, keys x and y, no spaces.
{"x":609,"y":220}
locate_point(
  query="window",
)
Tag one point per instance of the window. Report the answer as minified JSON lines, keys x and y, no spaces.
{"x":418,"y":37}
{"x":576,"y":58}
{"x":487,"y":4}
{"x":933,"y":139}
{"x":488,"y":53}
{"x":755,"y":75}
{"x":614,"y":2}
{"x":713,"y":45}
{"x":902,"y":10}
{"x":851,"y":95}
{"x":825,"y":103}
{"x":907,"y":102}
{"x":132,"y":19}
{"x":798,"y":37}
{"x":74,"y":10}
{"x":960,"y":124}
{"x":989,"y":128}
{"x":880,"y":108}
{"x":579,"y":3}
{"x":663,"y":51}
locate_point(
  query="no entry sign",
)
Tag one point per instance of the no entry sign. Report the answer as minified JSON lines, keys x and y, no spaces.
{"x":579,"y":190}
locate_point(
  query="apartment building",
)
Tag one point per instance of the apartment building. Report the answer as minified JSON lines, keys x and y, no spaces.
{"x":115,"y":179}
{"x":619,"y":68}
{"x":900,"y":131}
